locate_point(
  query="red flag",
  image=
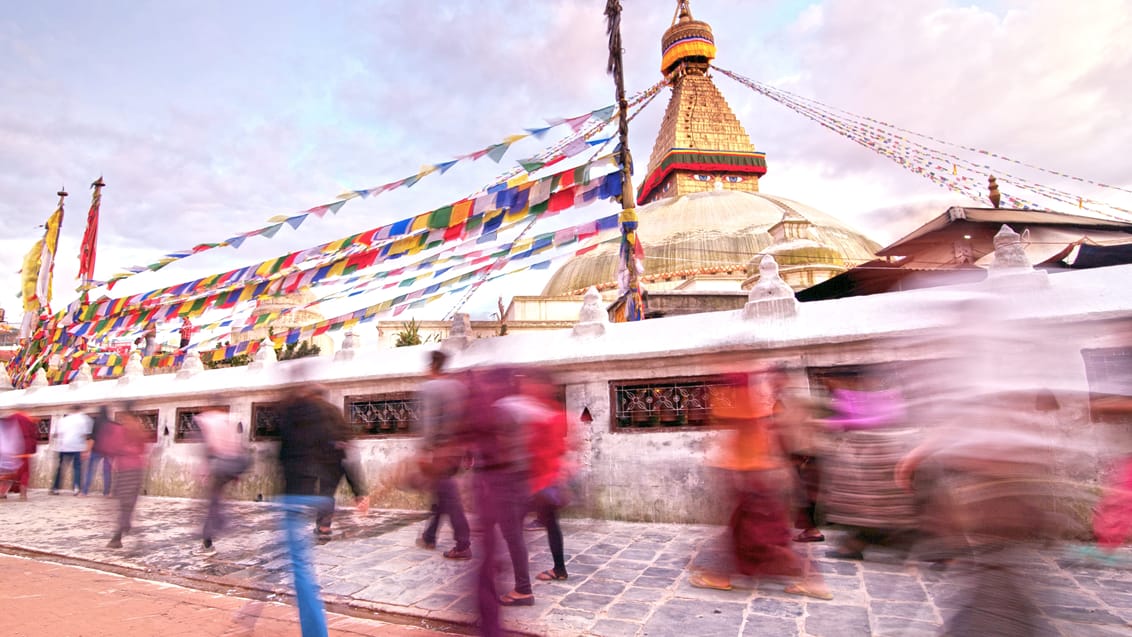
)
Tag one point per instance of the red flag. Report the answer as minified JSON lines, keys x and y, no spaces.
{"x":90,"y":237}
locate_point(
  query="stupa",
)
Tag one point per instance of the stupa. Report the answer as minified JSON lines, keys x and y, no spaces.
{"x":296,"y":311}
{"x":704,"y":223}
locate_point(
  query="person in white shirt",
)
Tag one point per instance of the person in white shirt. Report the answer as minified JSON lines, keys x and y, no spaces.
{"x":228,"y":459}
{"x":72,"y":440}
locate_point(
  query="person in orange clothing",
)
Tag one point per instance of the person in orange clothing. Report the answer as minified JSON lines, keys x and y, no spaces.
{"x":754,"y":466}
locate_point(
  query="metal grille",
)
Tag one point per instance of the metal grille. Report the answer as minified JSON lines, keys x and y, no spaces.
{"x":1109,"y":372}
{"x":43,"y":429}
{"x":187,"y":429}
{"x":382,"y":415}
{"x":149,"y":421}
{"x":668,"y":403}
{"x":265,"y":417}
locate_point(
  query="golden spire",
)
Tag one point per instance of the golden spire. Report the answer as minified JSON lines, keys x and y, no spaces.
{"x":687,"y":40}
{"x":701,"y":145}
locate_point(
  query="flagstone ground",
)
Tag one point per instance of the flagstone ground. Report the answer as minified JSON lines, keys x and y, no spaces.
{"x":626,"y":579}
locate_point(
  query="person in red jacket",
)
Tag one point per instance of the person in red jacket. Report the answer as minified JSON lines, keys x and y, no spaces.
{"x":125,"y":441}
{"x":30,"y":436}
{"x":548,"y":445}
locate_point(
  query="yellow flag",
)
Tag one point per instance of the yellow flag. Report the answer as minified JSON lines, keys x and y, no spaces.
{"x":30,"y":276}
{"x":39,"y":263}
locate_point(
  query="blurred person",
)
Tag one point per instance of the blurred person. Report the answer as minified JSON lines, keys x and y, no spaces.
{"x":442,"y":401}
{"x":29,"y":431}
{"x":150,"y":337}
{"x":548,"y":436}
{"x":341,"y":466}
{"x":871,"y":434}
{"x":124,"y":441}
{"x":96,"y":457}
{"x":755,"y":474}
{"x":227,"y":457}
{"x":995,"y":464}
{"x":1112,"y":522}
{"x":496,"y":430}
{"x":71,"y":440}
{"x":801,"y":439}
{"x":998,"y":488}
{"x":11,"y":452}
{"x":308,"y":455}
{"x":187,"y":330}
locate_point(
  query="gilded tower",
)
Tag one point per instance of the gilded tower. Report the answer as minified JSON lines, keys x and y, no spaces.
{"x":704,"y":223}
{"x":701,"y":145}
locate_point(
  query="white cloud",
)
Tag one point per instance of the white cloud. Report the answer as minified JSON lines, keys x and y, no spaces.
{"x":222,"y":117}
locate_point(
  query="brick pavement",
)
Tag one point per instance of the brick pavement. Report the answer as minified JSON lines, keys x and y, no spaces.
{"x":625,"y":578}
{"x":43,"y":599}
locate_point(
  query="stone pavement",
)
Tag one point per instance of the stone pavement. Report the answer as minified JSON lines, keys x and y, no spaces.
{"x":626,"y":579}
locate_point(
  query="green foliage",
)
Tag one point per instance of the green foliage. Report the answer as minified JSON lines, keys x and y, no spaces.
{"x":410,"y":334}
{"x":238,"y":360}
{"x":291,"y":351}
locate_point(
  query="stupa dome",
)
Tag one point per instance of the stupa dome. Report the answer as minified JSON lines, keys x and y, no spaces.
{"x":719,"y":232}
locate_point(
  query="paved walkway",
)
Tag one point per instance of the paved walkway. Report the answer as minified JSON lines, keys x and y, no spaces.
{"x":626,"y":579}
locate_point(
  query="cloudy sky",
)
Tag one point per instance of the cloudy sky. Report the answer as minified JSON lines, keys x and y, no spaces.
{"x":207,"y":117}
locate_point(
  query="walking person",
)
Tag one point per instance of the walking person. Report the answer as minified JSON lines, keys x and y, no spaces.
{"x":442,"y":401}
{"x":342,"y":466}
{"x":871,"y":432}
{"x":125,"y":442}
{"x":11,"y":450}
{"x":228,"y":458}
{"x":801,"y":439}
{"x":548,"y":445}
{"x":754,"y":472}
{"x":1112,"y":523}
{"x":97,"y":455}
{"x":496,"y":430}
{"x":71,"y":439}
{"x":307,"y":455}
{"x":29,"y":431}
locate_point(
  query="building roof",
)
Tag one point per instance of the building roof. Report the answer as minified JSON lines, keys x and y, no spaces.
{"x":998,"y":216}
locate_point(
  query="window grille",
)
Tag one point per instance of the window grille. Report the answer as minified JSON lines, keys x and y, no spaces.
{"x":265,"y":417}
{"x":662,"y":403}
{"x":1109,"y":372}
{"x":382,"y":415}
{"x":187,"y":430}
{"x":43,"y":429}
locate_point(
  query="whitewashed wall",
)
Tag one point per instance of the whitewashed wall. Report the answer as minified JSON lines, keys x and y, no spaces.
{"x":640,"y":475}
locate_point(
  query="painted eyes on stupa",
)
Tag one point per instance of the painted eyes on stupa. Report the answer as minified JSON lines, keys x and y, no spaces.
{"x":733,"y":179}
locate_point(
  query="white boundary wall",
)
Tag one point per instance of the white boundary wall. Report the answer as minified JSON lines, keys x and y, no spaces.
{"x":643,"y":475}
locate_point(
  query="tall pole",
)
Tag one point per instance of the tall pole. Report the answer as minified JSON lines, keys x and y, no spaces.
{"x":634,"y":306}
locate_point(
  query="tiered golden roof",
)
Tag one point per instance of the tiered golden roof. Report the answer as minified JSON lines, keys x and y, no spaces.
{"x":700,"y":209}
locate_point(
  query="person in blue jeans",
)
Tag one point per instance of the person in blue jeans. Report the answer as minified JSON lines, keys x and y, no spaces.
{"x":308,"y":456}
{"x":72,"y":434}
{"x":96,"y":455}
{"x":442,"y":400}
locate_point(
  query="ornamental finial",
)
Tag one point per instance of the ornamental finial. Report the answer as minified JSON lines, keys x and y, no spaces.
{"x":683,"y":11}
{"x":995,"y":196}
